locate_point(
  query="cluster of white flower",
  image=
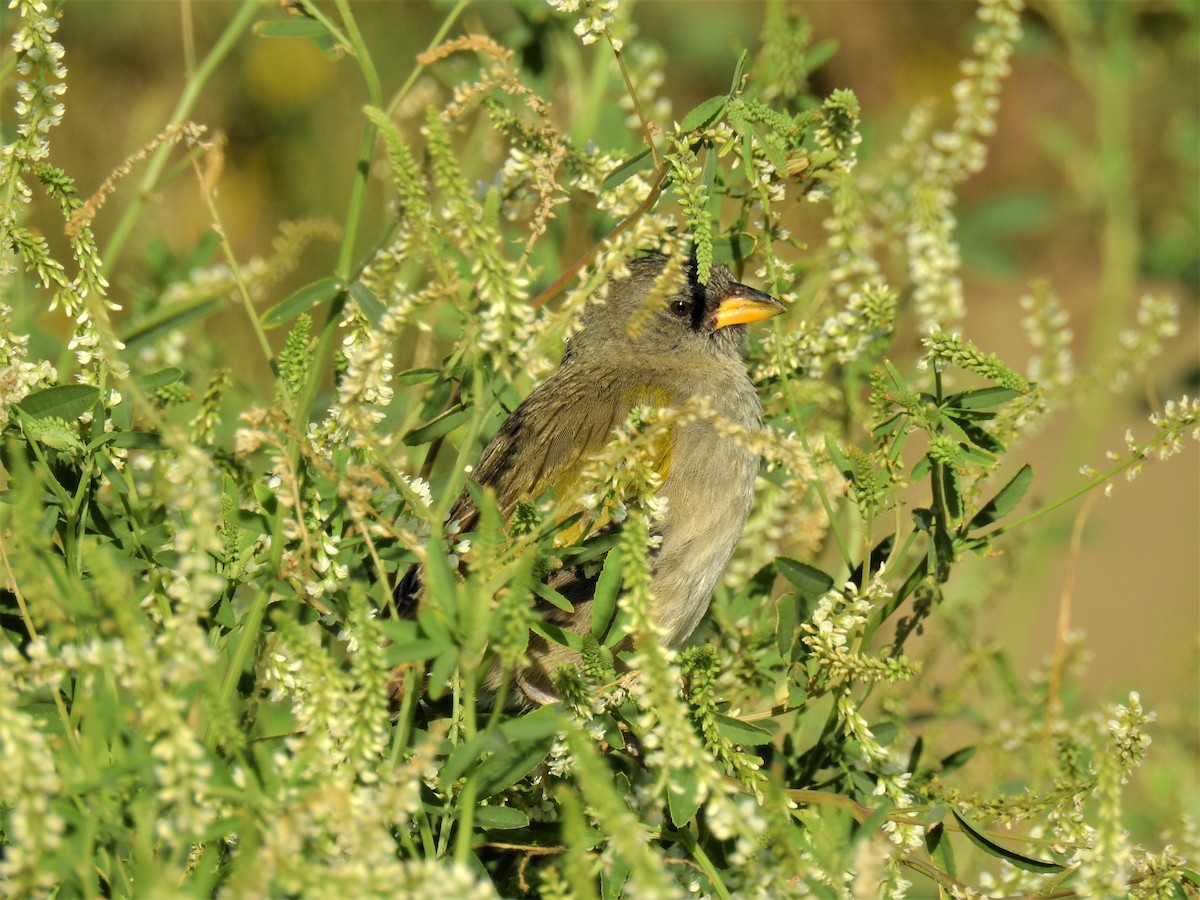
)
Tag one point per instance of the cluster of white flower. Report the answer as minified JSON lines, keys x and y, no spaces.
{"x":18,"y":378}
{"x":1127,"y":728}
{"x":597,"y":19}
{"x":29,"y":785}
{"x":39,"y":58}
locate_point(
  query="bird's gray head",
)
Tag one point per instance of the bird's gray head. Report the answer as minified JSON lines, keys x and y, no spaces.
{"x":653,"y":312}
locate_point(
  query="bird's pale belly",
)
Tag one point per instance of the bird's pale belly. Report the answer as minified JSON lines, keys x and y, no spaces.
{"x":709,"y":491}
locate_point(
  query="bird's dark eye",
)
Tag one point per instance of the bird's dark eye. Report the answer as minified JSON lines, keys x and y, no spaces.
{"x":681,"y":308}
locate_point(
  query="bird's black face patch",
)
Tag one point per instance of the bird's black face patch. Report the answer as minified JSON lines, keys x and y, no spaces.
{"x":690,"y":304}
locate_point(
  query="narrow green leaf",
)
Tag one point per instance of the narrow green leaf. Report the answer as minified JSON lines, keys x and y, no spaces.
{"x":914,"y":756}
{"x":838,"y":458}
{"x":873,"y":822}
{"x":558,"y":635}
{"x":950,"y":491}
{"x":705,"y":112}
{"x":505,"y":769}
{"x":896,"y":378}
{"x":990,"y":847}
{"x":625,"y":170}
{"x":302,"y":301}
{"x":64,"y":401}
{"x":169,"y":318}
{"x":886,"y":428}
{"x":414,"y":651}
{"x":955,"y":760}
{"x":940,"y":849}
{"x":1005,"y":500}
{"x":161,"y":378}
{"x":809,"y":580}
{"x":464,"y":755}
{"x":500,"y":817}
{"x":982,"y":398}
{"x":683,"y":795}
{"x":132,"y":440}
{"x":370,"y":305}
{"x":819,"y":54}
{"x":439,"y":426}
{"x":543,"y":722}
{"x":980,"y":457}
{"x":551,"y":596}
{"x":978,"y":436}
{"x":745,"y":733}
{"x":736,"y":84}
{"x":787,"y":616}
{"x":417,"y":376}
{"x":613,"y":879}
{"x":608,"y":585}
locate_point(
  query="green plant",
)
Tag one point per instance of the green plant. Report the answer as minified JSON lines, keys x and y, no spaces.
{"x":202,"y":690}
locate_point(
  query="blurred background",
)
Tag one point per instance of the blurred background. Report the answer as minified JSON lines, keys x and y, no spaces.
{"x":1095,"y":156}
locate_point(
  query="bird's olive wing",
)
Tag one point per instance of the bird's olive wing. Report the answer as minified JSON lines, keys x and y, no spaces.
{"x":546,"y":442}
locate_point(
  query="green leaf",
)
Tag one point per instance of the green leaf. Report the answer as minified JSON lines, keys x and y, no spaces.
{"x":132,"y":440}
{"x":819,"y":54}
{"x":608,"y":585}
{"x":1005,"y":500}
{"x":1029,"y":864}
{"x":940,"y":850}
{"x":955,"y":760}
{"x":161,"y":378}
{"x":545,"y":721}
{"x":978,"y":436}
{"x":370,"y":305}
{"x":873,"y":822}
{"x":417,"y":376}
{"x":787,"y":616}
{"x":625,"y":170}
{"x":810,"y":581}
{"x":982,"y":398}
{"x":683,"y":795}
{"x":950,"y":491}
{"x":170,"y":317}
{"x":414,"y":651}
{"x":553,"y":597}
{"x":64,"y":401}
{"x":557,"y":635}
{"x":838,"y":458}
{"x":705,"y":112}
{"x":745,"y":733}
{"x":302,"y":301}
{"x":500,"y":817}
{"x":439,"y":426}
{"x":465,"y":754}
{"x":736,"y":83}
{"x":505,"y":769}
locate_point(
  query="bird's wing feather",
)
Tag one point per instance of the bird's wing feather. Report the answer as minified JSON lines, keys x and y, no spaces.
{"x":546,"y":442}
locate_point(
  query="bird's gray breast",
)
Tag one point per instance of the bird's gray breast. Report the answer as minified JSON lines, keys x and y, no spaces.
{"x":709,"y":490}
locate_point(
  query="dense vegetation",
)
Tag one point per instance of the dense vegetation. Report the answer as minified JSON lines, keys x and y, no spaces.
{"x":202,"y":690}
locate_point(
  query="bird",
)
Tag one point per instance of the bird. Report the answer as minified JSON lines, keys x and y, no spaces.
{"x":639,"y":342}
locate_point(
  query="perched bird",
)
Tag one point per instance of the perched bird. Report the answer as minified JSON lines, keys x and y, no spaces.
{"x":640,"y":345}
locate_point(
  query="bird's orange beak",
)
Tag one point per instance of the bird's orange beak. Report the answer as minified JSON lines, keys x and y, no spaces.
{"x":744,"y":304}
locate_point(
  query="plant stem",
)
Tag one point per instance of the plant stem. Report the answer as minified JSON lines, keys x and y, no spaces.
{"x":191,"y":92}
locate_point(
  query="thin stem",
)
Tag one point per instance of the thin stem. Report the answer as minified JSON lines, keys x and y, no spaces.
{"x":563,"y":280}
{"x":191,"y":93}
{"x":647,"y":127}
{"x":438,"y":37}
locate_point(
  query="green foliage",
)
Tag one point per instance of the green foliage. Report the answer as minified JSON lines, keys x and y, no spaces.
{"x":206,"y":687}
